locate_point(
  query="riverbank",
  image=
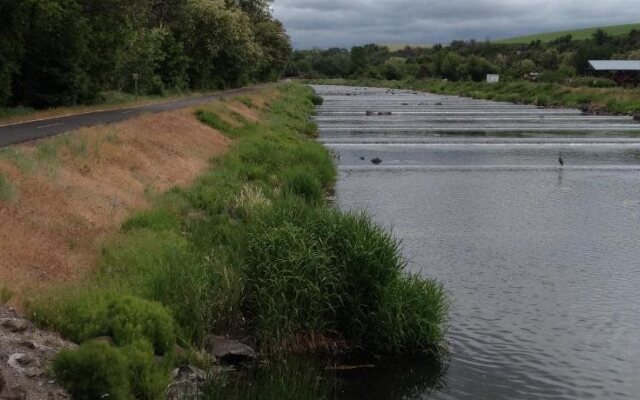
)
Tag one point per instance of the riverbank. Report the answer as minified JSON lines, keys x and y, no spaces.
{"x":610,"y":100}
{"x":250,"y":251}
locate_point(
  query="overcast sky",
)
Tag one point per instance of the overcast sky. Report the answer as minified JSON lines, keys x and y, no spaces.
{"x":344,"y":23}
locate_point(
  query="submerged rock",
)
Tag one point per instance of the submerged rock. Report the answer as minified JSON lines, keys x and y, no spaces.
{"x":229,"y":351}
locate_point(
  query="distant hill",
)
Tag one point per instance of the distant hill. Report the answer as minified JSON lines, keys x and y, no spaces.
{"x":578,"y":34}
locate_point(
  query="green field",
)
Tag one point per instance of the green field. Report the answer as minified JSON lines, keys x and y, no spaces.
{"x":578,"y":34}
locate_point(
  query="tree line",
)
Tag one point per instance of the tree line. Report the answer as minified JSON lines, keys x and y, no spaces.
{"x":556,"y":61}
{"x":63,"y":52}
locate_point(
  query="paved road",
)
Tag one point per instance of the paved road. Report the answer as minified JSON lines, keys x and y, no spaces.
{"x":420,"y":115}
{"x":26,"y":131}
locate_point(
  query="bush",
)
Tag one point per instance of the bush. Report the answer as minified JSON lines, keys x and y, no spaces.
{"x":317,"y":100}
{"x":87,"y":314}
{"x":93,"y":371}
{"x":132,"y":319}
{"x":96,"y":370}
{"x":147,"y":379}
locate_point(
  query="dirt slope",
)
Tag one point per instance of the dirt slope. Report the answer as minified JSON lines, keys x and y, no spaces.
{"x":60,"y":197}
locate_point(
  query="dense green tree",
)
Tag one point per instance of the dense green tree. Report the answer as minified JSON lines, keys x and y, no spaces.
{"x":479,"y":67}
{"x":454,"y":67}
{"x":275,"y":47}
{"x":13,"y":25}
{"x":550,"y":59}
{"x":393,"y":68}
{"x":359,"y":59}
{"x":53,"y":69}
{"x":58,"y":52}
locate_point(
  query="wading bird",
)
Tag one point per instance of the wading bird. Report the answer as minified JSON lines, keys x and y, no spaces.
{"x":561,"y":160}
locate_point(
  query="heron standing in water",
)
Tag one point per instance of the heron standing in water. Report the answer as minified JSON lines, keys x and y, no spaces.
{"x":560,"y":159}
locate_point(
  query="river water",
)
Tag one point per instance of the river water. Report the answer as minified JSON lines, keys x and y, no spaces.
{"x":541,"y":262}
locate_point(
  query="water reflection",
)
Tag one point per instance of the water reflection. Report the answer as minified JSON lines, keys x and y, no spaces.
{"x":394,"y":380}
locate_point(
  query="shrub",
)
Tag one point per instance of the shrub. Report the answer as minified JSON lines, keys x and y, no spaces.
{"x":147,"y":379}
{"x":316,"y":100}
{"x":131,"y":319}
{"x":93,"y":371}
{"x":87,"y":314}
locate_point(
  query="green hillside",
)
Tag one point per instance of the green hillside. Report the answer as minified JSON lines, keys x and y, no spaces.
{"x":578,"y":34}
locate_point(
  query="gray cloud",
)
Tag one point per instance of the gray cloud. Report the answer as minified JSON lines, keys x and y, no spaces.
{"x":329,"y":23}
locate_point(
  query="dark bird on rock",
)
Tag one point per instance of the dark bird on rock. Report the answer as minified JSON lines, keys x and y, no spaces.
{"x":561,"y":160}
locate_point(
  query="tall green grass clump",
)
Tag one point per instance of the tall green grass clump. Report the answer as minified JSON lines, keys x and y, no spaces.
{"x":317,"y":272}
{"x":96,"y":370}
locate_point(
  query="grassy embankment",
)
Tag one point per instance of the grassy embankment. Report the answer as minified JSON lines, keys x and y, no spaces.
{"x":251,"y":249}
{"x":606,"y":100}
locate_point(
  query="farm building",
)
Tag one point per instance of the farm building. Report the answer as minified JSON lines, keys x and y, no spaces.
{"x":624,"y":72}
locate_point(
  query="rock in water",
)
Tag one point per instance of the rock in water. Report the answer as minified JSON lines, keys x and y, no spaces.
{"x":376,"y":161}
{"x":229,"y":351}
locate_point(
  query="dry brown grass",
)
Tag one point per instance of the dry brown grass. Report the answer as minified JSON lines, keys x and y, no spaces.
{"x":65,"y":205}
